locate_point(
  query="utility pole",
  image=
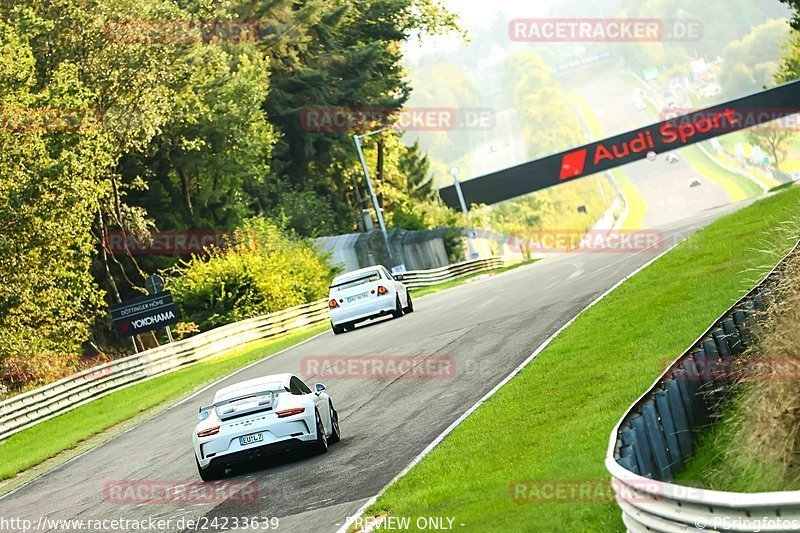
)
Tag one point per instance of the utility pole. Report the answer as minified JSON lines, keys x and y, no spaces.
{"x":454,"y":173}
{"x":357,"y":140}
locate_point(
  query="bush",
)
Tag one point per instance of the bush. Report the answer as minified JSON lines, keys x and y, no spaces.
{"x":269,"y":271}
{"x":21,"y":370}
{"x":307,"y":213}
{"x":454,"y":245}
{"x":405,"y":218}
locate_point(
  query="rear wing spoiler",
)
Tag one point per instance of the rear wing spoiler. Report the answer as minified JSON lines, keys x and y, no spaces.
{"x":228,"y":408}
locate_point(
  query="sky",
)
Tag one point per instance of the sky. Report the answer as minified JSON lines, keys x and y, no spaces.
{"x":474,"y":15}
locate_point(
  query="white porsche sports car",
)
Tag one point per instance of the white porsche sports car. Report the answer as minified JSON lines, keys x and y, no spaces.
{"x":365,"y":294}
{"x":261,"y":417}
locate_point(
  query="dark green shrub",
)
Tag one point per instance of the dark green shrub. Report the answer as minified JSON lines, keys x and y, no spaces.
{"x":268,"y":270}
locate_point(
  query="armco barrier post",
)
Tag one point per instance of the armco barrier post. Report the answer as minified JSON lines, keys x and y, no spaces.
{"x":670,"y":433}
{"x":679,"y":419}
{"x":686,"y":397}
{"x":657,"y":442}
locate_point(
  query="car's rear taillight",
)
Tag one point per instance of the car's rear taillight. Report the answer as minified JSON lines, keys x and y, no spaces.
{"x":333,"y":304}
{"x":208,"y":432}
{"x":382,"y":289}
{"x":283,"y":413}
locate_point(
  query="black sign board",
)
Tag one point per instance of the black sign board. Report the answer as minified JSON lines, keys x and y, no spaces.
{"x":674,"y":132}
{"x":144,"y":314}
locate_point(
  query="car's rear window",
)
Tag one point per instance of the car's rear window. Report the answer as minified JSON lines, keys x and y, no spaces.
{"x":367,"y":277}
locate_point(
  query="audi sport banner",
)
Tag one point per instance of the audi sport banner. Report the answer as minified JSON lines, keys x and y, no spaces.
{"x":680,"y":128}
{"x":144,"y":314}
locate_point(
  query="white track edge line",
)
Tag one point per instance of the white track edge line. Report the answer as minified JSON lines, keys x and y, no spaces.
{"x":351,"y":519}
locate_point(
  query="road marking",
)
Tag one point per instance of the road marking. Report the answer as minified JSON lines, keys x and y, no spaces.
{"x":316,"y":505}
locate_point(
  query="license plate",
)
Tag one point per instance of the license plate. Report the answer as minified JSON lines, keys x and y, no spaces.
{"x":250,"y":439}
{"x":357,"y":297}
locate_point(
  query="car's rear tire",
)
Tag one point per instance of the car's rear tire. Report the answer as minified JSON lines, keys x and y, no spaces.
{"x":321,"y":444}
{"x":209,"y":473}
{"x":398,"y":309}
{"x":336,"y":435}
{"x":410,"y":307}
{"x":337,"y":330}
{"x":349,"y":327}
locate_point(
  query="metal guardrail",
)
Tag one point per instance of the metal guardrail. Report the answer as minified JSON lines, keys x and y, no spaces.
{"x":655,"y":438}
{"x":38,"y":405}
{"x":422,"y":278}
{"x":35,"y":406}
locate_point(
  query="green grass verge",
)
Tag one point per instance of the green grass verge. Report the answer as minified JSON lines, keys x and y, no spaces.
{"x":782,"y":187}
{"x":633,"y":81}
{"x":552,"y":421}
{"x":730,"y":140}
{"x":422,"y":291}
{"x":791,"y":162}
{"x":586,"y":111}
{"x":43,"y":441}
{"x":791,"y":167}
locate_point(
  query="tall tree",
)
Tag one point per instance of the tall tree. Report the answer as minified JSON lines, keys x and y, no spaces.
{"x":52,"y":158}
{"x":333,"y":54}
{"x":772,"y":138}
{"x":795,"y":6}
{"x":416,"y":166}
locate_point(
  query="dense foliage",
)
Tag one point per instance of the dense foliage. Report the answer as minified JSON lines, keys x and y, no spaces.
{"x":124,"y":116}
{"x":751,"y":62}
{"x":266,"y":271}
{"x":720,"y":22}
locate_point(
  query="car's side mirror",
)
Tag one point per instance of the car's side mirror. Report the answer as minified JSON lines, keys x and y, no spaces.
{"x":398,"y":277}
{"x":202,"y":415}
{"x":319,"y":387}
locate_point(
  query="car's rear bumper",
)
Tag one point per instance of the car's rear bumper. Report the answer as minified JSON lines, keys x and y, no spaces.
{"x":249,"y":454}
{"x":276,"y":436}
{"x":381,"y":306}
